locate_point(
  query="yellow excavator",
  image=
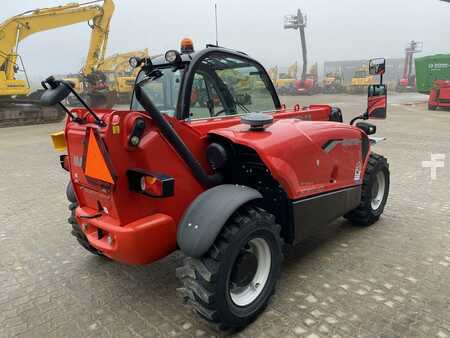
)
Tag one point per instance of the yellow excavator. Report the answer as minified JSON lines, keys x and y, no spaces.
{"x":361,"y":80}
{"x":18,"y":104}
{"x":285,"y":84}
{"x":119,"y":76}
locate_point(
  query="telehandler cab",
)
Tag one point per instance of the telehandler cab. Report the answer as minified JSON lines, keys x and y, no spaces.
{"x":227,"y":181}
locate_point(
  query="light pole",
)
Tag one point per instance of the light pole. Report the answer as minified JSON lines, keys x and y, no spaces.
{"x":298,"y":22}
{"x":217,"y":26}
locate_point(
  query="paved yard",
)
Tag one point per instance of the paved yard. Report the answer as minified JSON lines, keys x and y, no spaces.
{"x":389,"y":280}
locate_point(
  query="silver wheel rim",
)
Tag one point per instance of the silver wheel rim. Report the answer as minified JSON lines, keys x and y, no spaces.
{"x":246,"y":295}
{"x":378,"y":190}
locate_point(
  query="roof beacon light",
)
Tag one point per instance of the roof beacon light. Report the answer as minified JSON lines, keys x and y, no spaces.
{"x":187,"y":46}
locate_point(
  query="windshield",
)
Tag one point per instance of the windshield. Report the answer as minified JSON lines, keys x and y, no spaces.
{"x":162,"y":89}
{"x":229,"y":85}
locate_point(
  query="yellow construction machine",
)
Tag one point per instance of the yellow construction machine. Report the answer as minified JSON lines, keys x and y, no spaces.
{"x":333,"y":83}
{"x":273,"y":74}
{"x":119,"y":76}
{"x":361,"y":80}
{"x":285,"y":84}
{"x":18,"y":104}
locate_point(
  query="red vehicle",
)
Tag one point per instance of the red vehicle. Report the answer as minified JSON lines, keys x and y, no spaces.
{"x":224,"y":185}
{"x":439,"y":95}
{"x":408,"y":81}
{"x":309,"y":86}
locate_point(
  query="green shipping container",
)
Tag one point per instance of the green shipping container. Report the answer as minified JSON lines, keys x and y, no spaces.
{"x":431,"y":68}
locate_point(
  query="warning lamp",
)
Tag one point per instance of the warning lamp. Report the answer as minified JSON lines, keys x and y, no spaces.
{"x":187,"y":46}
{"x":150,"y":184}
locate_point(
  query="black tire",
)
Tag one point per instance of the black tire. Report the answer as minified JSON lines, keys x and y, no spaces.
{"x":207,"y":280}
{"x":365,"y":214}
{"x":430,"y":107}
{"x":78,"y":233}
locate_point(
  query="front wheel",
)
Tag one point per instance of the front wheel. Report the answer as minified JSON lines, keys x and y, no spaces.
{"x":233,"y":282}
{"x":375,"y":191}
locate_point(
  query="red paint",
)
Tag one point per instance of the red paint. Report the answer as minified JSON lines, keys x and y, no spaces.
{"x":440,"y":95}
{"x":374,"y":103}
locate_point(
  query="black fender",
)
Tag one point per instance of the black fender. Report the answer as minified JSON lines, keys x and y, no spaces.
{"x":207,"y":214}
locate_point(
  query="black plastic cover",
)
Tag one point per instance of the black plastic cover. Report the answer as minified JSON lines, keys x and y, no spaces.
{"x":206,"y":216}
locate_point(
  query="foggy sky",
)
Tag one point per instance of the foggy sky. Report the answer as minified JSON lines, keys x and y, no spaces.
{"x":337,"y":30}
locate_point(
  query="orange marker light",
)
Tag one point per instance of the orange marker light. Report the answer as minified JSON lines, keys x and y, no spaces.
{"x":187,"y":46}
{"x":96,"y":166}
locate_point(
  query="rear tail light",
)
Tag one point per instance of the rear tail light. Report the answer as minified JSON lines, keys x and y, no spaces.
{"x":150,"y":184}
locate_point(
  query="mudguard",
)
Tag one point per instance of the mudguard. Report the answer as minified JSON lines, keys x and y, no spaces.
{"x":208,"y":213}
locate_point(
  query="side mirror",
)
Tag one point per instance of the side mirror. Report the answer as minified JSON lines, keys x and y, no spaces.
{"x":377,"y":102}
{"x":377,"y":66}
{"x":58,"y":91}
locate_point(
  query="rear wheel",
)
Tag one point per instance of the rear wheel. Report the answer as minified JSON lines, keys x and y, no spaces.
{"x":375,"y":191}
{"x":76,"y":228}
{"x":233,"y":282}
{"x":78,"y":233}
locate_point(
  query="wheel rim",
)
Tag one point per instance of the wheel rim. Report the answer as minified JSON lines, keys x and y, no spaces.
{"x":378,"y":189}
{"x":245,"y":295}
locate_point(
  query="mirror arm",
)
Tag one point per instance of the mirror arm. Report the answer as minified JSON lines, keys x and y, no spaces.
{"x":98,"y":121}
{"x":364,"y":116}
{"x":53,"y":84}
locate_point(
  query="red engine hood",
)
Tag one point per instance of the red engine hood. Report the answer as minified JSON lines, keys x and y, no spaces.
{"x":293,"y":151}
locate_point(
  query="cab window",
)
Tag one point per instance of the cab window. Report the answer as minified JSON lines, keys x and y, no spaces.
{"x":163,"y":89}
{"x":205,"y":102}
{"x":226,"y":85}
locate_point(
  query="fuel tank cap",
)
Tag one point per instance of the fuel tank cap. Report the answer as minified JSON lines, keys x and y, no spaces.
{"x":257,"y":121}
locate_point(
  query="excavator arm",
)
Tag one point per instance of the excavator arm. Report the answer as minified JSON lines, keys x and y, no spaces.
{"x":99,"y":38}
{"x":19,"y":27}
{"x":17,"y":105}
{"x":120,"y":62}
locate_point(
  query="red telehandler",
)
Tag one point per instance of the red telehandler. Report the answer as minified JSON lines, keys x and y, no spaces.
{"x":226,"y":180}
{"x":440,"y":92}
{"x":408,"y":81}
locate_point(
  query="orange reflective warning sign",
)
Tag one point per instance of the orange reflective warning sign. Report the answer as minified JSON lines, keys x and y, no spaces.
{"x":96,"y":166}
